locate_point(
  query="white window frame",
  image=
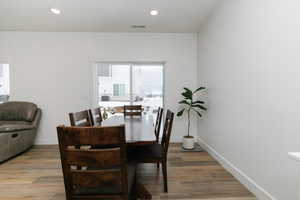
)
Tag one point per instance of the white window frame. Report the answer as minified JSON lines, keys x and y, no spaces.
{"x":95,"y":88}
{"x":9,"y":74}
{"x":109,"y":71}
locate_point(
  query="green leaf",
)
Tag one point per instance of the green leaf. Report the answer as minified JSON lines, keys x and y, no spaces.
{"x":188,"y":90}
{"x":199,"y":106}
{"x":198,"y":102}
{"x":187,"y":95}
{"x":179,"y":114}
{"x":184,"y":102}
{"x":198,"y":113}
{"x":200,"y":88}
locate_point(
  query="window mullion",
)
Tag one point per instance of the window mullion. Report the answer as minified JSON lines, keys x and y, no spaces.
{"x":131,"y":82}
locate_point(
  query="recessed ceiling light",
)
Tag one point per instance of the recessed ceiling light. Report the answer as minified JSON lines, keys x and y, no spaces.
{"x":55,"y":11}
{"x":154,"y":12}
{"x":138,"y":26}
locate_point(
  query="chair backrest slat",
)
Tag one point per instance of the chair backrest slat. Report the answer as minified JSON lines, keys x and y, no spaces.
{"x":133,"y":110}
{"x":81,"y":118}
{"x":158,"y":122}
{"x":167,"y":130}
{"x":96,"y":116}
{"x":94,"y":158}
{"x":92,"y":136}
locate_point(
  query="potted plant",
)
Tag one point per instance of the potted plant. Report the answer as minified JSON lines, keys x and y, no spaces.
{"x":190,"y":105}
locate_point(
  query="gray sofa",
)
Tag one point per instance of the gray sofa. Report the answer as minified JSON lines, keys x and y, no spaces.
{"x":18,"y":127}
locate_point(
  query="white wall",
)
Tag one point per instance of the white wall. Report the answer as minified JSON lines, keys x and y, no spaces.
{"x":249,"y":58}
{"x":54,"y":69}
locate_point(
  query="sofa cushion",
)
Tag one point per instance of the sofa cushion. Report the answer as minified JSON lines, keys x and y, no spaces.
{"x":17,"y":111}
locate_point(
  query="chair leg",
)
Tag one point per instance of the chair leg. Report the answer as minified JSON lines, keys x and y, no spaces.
{"x":164,"y":169}
{"x":134,"y":192}
{"x":142,"y":192}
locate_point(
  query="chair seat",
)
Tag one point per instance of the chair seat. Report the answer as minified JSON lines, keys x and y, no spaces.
{"x":145,"y":152}
{"x":109,"y":189}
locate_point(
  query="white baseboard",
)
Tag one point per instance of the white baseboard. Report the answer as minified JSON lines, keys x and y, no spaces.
{"x":45,"y":142}
{"x":176,"y":139}
{"x":250,"y":184}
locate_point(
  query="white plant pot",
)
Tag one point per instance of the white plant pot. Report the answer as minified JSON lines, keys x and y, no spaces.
{"x":188,"y":142}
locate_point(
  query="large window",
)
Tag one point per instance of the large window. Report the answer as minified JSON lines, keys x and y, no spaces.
{"x":4,"y":82}
{"x":120,"y":84}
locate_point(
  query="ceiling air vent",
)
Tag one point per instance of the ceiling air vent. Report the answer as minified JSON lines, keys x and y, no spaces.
{"x":138,"y":26}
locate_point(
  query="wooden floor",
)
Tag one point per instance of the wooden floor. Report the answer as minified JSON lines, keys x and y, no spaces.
{"x":36,"y":175}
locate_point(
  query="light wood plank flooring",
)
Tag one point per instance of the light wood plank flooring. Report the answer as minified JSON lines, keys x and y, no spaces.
{"x":36,"y":175}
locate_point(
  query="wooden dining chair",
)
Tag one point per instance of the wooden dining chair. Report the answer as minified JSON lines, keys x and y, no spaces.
{"x":156,"y":152}
{"x":82,"y":118}
{"x":104,"y":172}
{"x":96,"y":116}
{"x":133,"y":110}
{"x":158,"y":123}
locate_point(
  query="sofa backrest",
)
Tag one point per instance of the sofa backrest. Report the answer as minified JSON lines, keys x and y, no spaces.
{"x":17,"y":111}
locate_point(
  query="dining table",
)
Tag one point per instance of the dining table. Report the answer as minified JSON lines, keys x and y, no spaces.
{"x":139,"y":130}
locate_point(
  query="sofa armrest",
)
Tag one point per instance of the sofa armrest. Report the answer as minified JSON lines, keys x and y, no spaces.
{"x":15,"y":127}
{"x":37,"y":118}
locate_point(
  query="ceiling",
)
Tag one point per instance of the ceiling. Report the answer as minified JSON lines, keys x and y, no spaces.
{"x":175,"y":16}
